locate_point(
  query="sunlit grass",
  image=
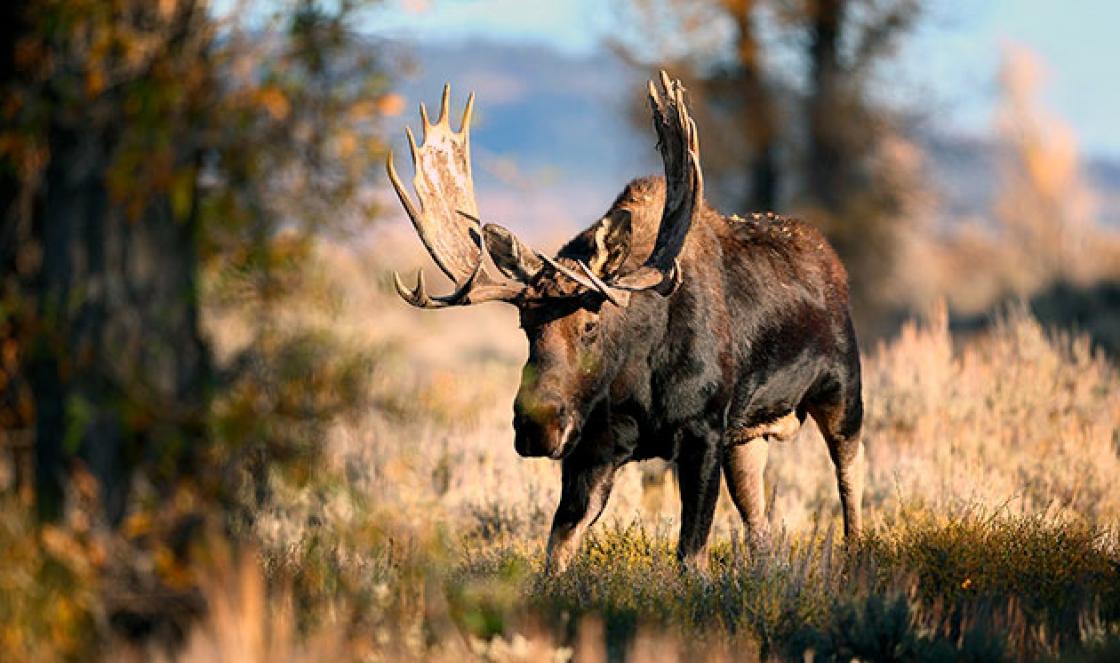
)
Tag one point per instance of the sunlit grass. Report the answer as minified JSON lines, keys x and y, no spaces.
{"x":990,"y":498}
{"x":408,"y":529}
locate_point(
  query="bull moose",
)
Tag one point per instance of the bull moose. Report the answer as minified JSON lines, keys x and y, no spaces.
{"x":664,"y":329}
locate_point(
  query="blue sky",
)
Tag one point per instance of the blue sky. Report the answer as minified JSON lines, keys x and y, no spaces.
{"x":952,"y":60}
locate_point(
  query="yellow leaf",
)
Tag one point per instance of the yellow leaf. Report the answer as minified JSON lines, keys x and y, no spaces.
{"x":274,"y":102}
{"x":95,"y":82}
{"x":137,"y":524}
{"x":347,"y":144}
{"x":391,"y":104}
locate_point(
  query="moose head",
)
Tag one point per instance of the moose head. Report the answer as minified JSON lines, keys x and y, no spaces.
{"x":573,"y":306}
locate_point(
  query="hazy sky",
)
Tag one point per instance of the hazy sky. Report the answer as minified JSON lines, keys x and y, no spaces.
{"x":952,"y":60}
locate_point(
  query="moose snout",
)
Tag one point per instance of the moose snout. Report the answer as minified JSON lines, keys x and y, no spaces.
{"x":545,"y":429}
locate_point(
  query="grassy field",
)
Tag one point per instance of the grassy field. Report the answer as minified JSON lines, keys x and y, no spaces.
{"x":993,"y":504}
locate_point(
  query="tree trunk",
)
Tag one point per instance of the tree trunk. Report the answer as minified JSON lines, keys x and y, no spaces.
{"x":825,"y":169}
{"x":119,"y":370}
{"x":15,"y":417}
{"x":758,"y":112}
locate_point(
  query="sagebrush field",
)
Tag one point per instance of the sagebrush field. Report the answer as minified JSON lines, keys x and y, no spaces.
{"x":993,"y":507}
{"x":418,"y":534}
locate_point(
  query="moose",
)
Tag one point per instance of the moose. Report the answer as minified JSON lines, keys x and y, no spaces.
{"x":664,"y":329}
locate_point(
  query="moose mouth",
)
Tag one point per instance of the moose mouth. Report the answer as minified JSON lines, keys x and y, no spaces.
{"x":555,"y":439}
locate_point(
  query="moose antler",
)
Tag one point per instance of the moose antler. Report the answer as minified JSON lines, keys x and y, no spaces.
{"x":679,"y":144}
{"x":447,"y":217}
{"x":448,"y":225}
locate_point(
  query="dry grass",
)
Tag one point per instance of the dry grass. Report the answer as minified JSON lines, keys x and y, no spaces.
{"x":992,"y":503}
{"x":991,"y":496}
{"x":1019,"y":419}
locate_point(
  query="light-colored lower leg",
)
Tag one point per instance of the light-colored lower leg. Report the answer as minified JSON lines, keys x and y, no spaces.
{"x":744,"y":466}
{"x":565,"y":538}
{"x":563,"y":542}
{"x":850,"y":476}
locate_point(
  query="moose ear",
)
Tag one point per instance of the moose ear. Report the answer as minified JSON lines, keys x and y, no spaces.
{"x":612,"y":243}
{"x":516,"y":260}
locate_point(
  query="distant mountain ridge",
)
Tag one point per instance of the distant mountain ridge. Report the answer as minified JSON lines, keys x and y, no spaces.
{"x":553,"y":142}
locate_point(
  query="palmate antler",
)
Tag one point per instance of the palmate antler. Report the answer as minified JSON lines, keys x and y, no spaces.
{"x":447,"y":218}
{"x":679,"y":144}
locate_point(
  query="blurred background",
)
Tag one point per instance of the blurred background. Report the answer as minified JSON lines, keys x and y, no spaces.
{"x":202,"y":359}
{"x":944,"y":149}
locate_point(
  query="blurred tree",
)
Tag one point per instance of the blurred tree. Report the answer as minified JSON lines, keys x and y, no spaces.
{"x":1044,"y":208}
{"x":143,"y":145}
{"x":742,"y":84}
{"x":1043,"y":240}
{"x":786,"y":85}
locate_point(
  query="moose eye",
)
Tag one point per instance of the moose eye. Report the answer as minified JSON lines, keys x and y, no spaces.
{"x":590,"y":327}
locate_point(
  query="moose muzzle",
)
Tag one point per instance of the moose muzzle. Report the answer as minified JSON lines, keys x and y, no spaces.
{"x":545,"y":429}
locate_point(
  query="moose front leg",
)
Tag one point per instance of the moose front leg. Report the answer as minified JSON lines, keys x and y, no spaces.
{"x":586,"y":485}
{"x":698,"y":464}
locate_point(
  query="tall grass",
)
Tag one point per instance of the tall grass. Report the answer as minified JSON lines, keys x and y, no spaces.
{"x":991,"y":494}
{"x":992,"y":503}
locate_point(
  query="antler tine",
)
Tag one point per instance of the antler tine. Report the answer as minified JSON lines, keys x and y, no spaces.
{"x":395,"y":179}
{"x":465,"y":124}
{"x":444,"y":104}
{"x":613,"y":295}
{"x":469,"y":292}
{"x":419,"y":296}
{"x":578,"y":278}
{"x":425,"y":123}
{"x":588,"y":280}
{"x":412,"y":148}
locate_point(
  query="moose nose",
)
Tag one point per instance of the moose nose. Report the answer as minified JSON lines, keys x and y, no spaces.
{"x":542,"y":430}
{"x":531,"y":410}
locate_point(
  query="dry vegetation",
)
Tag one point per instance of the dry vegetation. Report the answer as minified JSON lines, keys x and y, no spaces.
{"x":992,"y":492}
{"x":418,"y":534}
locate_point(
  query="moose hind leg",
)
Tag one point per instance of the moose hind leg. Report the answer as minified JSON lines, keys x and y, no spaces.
{"x":585,"y":488}
{"x":744,"y":463}
{"x":745,"y":450}
{"x":840,"y":426}
{"x":851,"y":471}
{"x":698,"y":477}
